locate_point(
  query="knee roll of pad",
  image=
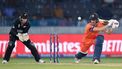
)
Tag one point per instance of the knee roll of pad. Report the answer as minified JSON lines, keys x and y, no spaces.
{"x":32,"y":44}
{"x":11,"y":43}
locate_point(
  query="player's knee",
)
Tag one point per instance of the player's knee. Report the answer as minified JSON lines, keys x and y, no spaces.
{"x":32,"y":44}
{"x":100,"y":39}
{"x":79,"y":55}
{"x":11,"y":44}
{"x":28,"y":43}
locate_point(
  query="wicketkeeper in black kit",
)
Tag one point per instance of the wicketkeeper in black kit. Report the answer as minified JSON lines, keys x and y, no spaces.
{"x":19,"y":31}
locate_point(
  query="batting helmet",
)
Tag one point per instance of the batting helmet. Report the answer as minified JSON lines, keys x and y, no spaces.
{"x":94,"y":16}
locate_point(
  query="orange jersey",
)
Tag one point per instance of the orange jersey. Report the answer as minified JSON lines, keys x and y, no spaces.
{"x":89,"y":34}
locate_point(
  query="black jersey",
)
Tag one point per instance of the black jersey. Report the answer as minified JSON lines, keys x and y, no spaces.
{"x":18,"y":28}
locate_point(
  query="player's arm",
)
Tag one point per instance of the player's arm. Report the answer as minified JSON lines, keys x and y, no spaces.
{"x":100,"y":28}
{"x":104,"y":22}
{"x":112,"y":24}
{"x":26,"y":29}
{"x":14,"y":28}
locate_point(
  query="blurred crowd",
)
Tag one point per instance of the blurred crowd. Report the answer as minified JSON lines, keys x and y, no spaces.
{"x":59,"y":12}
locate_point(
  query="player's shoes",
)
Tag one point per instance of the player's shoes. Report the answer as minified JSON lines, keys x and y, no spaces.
{"x":4,"y":62}
{"x":77,"y":60}
{"x":96,"y":61}
{"x":41,"y":61}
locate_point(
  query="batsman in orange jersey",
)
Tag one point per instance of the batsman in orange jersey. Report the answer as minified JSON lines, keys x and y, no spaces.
{"x":92,"y":36}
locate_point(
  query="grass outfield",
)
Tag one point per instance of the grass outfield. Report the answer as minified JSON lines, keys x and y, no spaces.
{"x":65,"y":63}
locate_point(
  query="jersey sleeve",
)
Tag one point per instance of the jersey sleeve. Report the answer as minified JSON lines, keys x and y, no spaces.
{"x":14,"y":28}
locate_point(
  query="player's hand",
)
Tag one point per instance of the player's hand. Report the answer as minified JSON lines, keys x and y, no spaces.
{"x":115,"y":24}
{"x":110,"y":22}
{"x":25,"y":36}
{"x":20,"y":36}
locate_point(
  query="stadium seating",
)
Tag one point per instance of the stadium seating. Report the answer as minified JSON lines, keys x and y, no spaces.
{"x":71,"y":9}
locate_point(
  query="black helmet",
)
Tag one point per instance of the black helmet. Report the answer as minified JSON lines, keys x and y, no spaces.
{"x":94,"y":16}
{"x":24,"y":16}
